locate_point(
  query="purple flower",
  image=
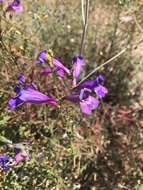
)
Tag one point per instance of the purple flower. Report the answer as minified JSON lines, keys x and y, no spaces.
{"x":5,"y":162}
{"x":21,"y":155}
{"x":78,"y":63}
{"x":101,"y":91}
{"x":15,"y":6}
{"x":41,"y":59}
{"x":60,"y":68}
{"x":83,"y":94}
{"x":99,"y":79}
{"x":88,"y":105}
{"x":29,"y":95}
{"x":96,"y":86}
{"x":87,"y":102}
{"x":91,"y":84}
{"x":1,"y":1}
{"x":55,"y":65}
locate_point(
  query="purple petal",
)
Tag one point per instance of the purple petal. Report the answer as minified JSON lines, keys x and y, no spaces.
{"x":78,"y":63}
{"x":60,"y":66}
{"x":91,"y":84}
{"x":15,"y":6}
{"x":99,"y":79}
{"x":88,"y":105}
{"x":21,"y":156}
{"x":17,"y":89}
{"x":41,"y":58}
{"x":21,"y":79}
{"x":34,"y":96}
{"x":61,"y":73}
{"x":30,"y":95}
{"x":101,"y":91}
{"x":93,"y":102}
{"x":84,"y":93}
{"x":4,"y":162}
{"x":85,"y":108}
{"x":13,"y":103}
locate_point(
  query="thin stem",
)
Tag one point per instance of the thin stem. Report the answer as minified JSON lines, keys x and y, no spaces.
{"x":82,"y":10}
{"x":85,"y":25}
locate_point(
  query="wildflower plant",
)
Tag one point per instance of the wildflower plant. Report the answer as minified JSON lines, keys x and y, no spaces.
{"x":87,"y":94}
{"x":59,"y":129}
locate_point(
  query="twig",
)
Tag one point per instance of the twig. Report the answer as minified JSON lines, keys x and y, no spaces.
{"x":85,"y":25}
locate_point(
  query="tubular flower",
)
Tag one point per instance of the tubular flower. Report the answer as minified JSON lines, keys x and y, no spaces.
{"x":60,"y":68}
{"x":96,"y":86}
{"x":91,"y":84}
{"x":15,"y":6}
{"x":5,"y":162}
{"x":83,"y":94}
{"x":28,"y":94}
{"x":78,"y":63}
{"x":87,"y":102}
{"x":55,"y":64}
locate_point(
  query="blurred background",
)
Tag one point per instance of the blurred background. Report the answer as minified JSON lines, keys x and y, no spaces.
{"x":70,"y":151}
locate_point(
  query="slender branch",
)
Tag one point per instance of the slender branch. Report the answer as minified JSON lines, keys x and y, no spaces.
{"x":85,"y":25}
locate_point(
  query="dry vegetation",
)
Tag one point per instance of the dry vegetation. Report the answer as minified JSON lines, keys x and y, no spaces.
{"x":70,"y":151}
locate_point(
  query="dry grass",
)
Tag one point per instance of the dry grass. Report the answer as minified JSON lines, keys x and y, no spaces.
{"x":70,"y":151}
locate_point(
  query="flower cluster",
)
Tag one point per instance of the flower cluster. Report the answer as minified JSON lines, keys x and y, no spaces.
{"x":88,"y":94}
{"x":53,"y":65}
{"x":85,"y":94}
